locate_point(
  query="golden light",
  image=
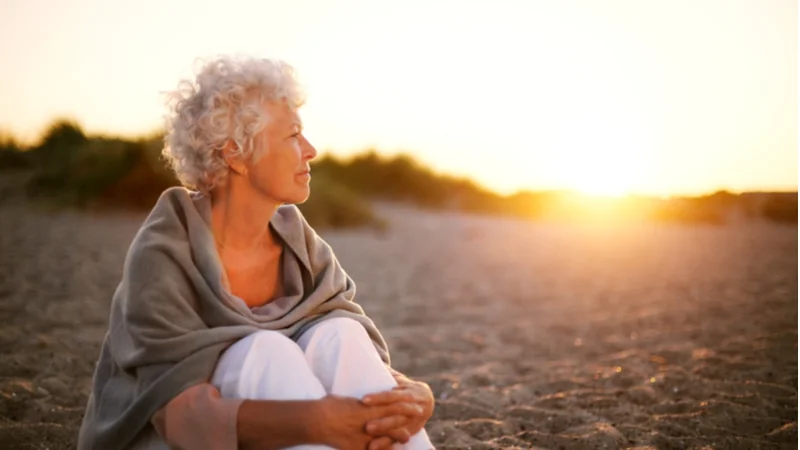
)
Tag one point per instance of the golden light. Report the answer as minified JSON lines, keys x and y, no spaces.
{"x":606,"y":179}
{"x":608,"y":157}
{"x":605,"y":100}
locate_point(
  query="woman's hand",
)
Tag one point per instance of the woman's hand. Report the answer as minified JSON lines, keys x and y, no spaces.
{"x":407,"y":392}
{"x":345,"y":421}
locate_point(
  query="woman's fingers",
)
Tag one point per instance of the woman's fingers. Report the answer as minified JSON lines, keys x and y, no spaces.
{"x":381,"y":443}
{"x":401,"y":435}
{"x":379,"y":427}
{"x":388,"y":397}
{"x":403,"y":408}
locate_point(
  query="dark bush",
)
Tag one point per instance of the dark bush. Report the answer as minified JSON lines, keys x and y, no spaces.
{"x":333,"y":205}
{"x":781,"y":208}
{"x":687,"y":210}
{"x":12,"y":156}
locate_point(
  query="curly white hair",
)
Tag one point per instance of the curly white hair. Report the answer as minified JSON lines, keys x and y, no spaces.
{"x":224,"y":103}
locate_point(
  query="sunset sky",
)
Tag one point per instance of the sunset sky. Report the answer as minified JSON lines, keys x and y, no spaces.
{"x":607,"y":97}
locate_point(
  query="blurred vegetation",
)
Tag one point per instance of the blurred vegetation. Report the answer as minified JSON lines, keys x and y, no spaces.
{"x":401,"y":178}
{"x":333,"y":205}
{"x":11,"y":156}
{"x":70,"y":168}
{"x":98,"y":172}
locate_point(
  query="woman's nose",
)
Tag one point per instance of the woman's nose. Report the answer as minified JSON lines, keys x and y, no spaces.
{"x":309,"y":150}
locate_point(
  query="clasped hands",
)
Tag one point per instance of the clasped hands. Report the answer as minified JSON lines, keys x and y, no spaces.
{"x":380,"y":419}
{"x":399,"y":427}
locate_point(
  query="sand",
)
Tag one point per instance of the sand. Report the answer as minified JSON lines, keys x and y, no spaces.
{"x":531,"y":335}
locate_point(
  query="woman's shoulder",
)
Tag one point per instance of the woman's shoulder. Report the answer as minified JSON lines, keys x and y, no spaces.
{"x":290,"y":212}
{"x":166,"y":226}
{"x":289,"y":222}
{"x":176,"y":196}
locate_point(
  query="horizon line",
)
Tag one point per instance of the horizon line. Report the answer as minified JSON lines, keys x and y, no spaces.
{"x":28,"y":144}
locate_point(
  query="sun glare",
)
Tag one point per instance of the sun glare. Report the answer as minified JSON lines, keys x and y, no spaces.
{"x":605,"y":157}
{"x":603,"y":183}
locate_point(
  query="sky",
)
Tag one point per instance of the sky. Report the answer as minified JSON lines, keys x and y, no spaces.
{"x":606,"y":97}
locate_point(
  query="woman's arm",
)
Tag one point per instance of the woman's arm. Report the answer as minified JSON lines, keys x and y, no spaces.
{"x":339,"y":422}
{"x":200,"y":419}
{"x":275,"y":424}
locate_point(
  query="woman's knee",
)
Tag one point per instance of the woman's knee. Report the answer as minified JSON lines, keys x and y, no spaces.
{"x":256,"y":357}
{"x":334,"y":337}
{"x":342,"y":328}
{"x":267,"y":339}
{"x":341,"y":354}
{"x":265,"y":344}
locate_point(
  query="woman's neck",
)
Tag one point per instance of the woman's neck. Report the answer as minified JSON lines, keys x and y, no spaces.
{"x":240,"y":217}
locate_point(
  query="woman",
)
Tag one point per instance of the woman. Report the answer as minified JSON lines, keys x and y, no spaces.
{"x":234,"y":325}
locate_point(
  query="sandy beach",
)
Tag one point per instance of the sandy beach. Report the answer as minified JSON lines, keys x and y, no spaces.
{"x":531,"y":335}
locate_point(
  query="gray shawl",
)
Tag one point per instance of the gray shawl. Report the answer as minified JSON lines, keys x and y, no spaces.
{"x":171,"y":316}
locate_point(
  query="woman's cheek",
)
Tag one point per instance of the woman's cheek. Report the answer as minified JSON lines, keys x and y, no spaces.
{"x":298,"y":150}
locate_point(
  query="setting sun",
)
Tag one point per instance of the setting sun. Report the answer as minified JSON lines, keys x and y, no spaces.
{"x":605,"y":186}
{"x":605,"y":172}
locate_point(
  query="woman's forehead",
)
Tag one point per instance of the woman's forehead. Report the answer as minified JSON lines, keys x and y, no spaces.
{"x":280,"y":109}
{"x":281,"y":116}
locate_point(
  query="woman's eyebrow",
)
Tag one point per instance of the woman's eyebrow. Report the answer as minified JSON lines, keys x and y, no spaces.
{"x":295,"y":128}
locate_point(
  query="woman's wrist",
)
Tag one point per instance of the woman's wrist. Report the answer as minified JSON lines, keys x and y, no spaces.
{"x":275,"y":424}
{"x":318,"y":415}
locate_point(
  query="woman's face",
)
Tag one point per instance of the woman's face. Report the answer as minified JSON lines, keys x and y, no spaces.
{"x":282,"y":171}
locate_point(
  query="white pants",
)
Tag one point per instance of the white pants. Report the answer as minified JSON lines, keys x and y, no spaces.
{"x":335,"y":356}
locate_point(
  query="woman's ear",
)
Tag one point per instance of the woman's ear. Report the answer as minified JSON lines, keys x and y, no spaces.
{"x":233,"y":158}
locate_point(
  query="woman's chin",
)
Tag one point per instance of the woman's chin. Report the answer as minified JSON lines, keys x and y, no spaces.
{"x":300,"y":196}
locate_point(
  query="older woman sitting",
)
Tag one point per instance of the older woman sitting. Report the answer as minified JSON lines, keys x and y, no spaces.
{"x":234,"y":326}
